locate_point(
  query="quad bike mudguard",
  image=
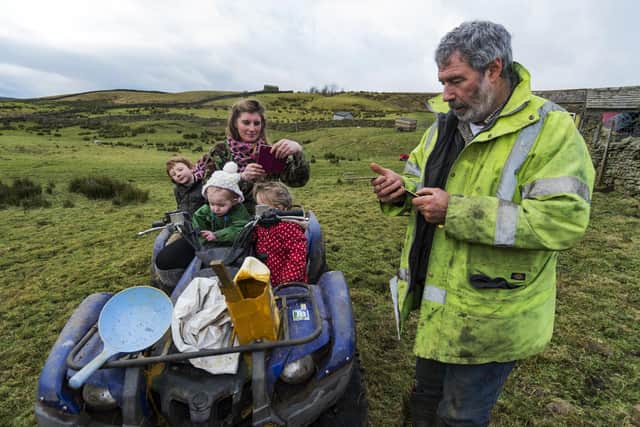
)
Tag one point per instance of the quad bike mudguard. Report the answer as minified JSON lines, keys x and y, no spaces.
{"x":52,"y":387}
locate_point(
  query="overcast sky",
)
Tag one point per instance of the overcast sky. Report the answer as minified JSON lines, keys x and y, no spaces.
{"x":68,"y":46}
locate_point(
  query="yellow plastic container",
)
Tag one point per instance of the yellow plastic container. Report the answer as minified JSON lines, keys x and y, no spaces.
{"x":256,"y":315}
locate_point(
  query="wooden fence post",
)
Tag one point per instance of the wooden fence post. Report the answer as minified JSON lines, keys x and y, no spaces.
{"x":603,"y":162}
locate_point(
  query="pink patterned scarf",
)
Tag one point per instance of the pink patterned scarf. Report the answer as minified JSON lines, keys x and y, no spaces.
{"x":244,"y":153}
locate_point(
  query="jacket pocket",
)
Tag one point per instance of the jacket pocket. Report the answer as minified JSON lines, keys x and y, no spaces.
{"x":502,"y":268}
{"x":480,"y":281}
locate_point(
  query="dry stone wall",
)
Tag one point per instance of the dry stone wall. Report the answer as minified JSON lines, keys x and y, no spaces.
{"x":309,"y":125}
{"x":622,"y":165}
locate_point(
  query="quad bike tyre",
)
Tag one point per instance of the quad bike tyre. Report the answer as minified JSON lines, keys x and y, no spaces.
{"x":352,"y":409}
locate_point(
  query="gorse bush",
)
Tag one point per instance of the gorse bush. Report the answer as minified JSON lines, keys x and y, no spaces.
{"x":121,"y":193}
{"x":23,"y":192}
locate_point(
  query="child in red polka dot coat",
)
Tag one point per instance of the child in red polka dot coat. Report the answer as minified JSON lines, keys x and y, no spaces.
{"x":284,"y":244}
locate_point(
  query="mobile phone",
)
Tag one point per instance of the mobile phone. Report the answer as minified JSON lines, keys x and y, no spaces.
{"x":269,"y":162}
{"x":411,"y":193}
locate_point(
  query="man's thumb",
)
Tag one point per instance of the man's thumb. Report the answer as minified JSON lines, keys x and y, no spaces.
{"x":377,"y":168}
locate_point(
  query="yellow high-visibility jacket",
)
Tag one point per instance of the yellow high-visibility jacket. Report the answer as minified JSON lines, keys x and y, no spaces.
{"x":520,"y":192}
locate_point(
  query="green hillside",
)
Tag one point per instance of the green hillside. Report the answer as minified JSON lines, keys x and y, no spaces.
{"x":137,"y":97}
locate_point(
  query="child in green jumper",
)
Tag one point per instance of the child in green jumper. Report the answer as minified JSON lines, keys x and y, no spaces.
{"x":222,"y":218}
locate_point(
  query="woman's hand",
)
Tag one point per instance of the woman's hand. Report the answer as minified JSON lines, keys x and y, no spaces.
{"x":253,"y":172}
{"x":208,"y":235}
{"x":284,"y":148}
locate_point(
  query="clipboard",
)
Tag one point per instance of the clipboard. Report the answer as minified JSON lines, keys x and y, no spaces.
{"x":268,"y":161}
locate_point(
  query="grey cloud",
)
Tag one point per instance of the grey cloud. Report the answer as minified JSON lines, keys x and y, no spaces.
{"x":241,"y":45}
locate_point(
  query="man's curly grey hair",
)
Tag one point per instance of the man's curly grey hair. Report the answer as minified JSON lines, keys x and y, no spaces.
{"x":479,"y":43}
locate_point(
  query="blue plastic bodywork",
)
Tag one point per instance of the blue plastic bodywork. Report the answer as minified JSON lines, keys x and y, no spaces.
{"x":111,"y":379}
{"x":159,"y":242}
{"x":336,"y":295}
{"x":52,"y":387}
{"x":186,"y":278}
{"x":301,"y":323}
{"x":334,"y":304}
{"x":314,"y":236}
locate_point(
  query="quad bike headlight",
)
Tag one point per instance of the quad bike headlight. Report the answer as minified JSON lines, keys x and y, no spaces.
{"x":298,"y":371}
{"x":98,"y":397}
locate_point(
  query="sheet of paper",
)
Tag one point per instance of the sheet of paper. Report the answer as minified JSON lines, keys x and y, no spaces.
{"x":393,"y":288}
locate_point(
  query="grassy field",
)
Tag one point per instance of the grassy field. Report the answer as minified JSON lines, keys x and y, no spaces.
{"x":51,"y":258}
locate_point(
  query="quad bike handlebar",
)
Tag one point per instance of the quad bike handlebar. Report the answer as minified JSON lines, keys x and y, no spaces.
{"x":177,"y":221}
{"x":180,"y":221}
{"x":171,"y":219}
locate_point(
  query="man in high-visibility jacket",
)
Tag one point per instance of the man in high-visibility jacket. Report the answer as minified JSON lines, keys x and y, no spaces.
{"x":497,"y":186}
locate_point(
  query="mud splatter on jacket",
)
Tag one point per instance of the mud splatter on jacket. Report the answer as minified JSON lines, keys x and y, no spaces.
{"x":520,"y":192}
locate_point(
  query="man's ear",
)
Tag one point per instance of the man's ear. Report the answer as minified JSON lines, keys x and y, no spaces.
{"x":494,"y":69}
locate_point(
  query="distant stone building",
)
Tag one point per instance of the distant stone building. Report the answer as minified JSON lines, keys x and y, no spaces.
{"x":406,"y":124}
{"x":608,"y":120}
{"x":593,"y":105}
{"x":342,"y":115}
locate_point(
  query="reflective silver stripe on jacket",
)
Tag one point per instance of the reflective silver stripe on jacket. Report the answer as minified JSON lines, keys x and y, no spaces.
{"x":403,"y":274}
{"x":506,"y":222}
{"x":520,"y":151}
{"x":412,"y":169}
{"x":432,"y":130}
{"x":551,"y":186}
{"x":434,"y":294}
{"x":507,"y":215}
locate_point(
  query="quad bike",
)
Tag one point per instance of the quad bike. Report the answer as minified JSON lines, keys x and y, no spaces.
{"x":309,"y":375}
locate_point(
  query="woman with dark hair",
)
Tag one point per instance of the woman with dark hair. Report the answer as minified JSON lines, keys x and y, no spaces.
{"x":246,"y":136}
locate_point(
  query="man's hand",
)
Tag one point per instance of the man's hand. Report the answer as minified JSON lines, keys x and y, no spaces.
{"x":432,"y":203}
{"x":389,"y":186}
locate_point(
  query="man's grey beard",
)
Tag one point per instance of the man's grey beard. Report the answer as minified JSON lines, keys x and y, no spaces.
{"x":479,"y":106}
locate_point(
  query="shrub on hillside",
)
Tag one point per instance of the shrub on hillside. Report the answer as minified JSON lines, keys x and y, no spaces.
{"x":23,"y":192}
{"x":50,"y":186}
{"x":5,"y":192}
{"x":111,"y":130}
{"x":24,"y":188}
{"x":121,"y":193}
